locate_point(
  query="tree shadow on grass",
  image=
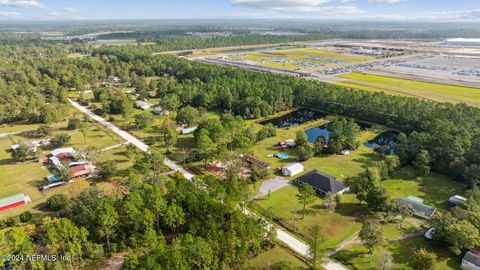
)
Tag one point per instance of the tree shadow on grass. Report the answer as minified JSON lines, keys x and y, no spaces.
{"x":7,"y":161}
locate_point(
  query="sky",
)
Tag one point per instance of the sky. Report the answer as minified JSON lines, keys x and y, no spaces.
{"x":395,"y":10}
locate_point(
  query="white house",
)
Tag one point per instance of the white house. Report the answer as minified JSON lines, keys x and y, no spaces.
{"x":292,"y":169}
{"x":143,"y":105}
{"x":59,"y":151}
{"x":471,"y":260}
{"x":188,"y":130}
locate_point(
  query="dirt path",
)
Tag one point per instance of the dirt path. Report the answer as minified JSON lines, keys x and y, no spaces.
{"x":114,"y":263}
{"x":351,"y":241}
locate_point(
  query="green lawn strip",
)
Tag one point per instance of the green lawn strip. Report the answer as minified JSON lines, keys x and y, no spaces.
{"x":273,"y":256}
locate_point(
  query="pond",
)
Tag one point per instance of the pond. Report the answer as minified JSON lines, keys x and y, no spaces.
{"x":387,"y":138}
{"x":295,"y":118}
{"x":323,"y":130}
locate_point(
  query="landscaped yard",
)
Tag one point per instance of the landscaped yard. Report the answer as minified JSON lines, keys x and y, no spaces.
{"x":405,"y":87}
{"x":337,"y":165}
{"x":335,"y":226}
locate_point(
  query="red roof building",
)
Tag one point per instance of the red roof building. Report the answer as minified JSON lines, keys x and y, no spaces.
{"x":13,"y":201}
{"x":81,"y":170}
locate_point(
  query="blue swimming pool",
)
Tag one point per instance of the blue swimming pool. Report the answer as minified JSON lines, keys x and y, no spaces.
{"x":282,"y":156}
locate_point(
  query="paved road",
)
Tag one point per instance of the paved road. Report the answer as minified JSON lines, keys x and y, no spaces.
{"x":295,"y":244}
{"x":130,"y":138}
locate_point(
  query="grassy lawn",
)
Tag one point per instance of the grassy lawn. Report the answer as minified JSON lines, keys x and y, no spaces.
{"x":273,"y":256}
{"x":357,"y":257}
{"x":405,"y":87}
{"x":434,"y":188}
{"x":335,"y":226}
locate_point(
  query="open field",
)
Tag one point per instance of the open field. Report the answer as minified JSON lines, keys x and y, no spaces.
{"x":434,"y":188}
{"x":405,"y":87}
{"x":273,"y":256}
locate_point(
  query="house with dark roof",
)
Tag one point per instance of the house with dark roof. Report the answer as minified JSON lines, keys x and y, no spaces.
{"x":322,"y":183}
{"x":471,"y":260}
{"x":417,"y":206}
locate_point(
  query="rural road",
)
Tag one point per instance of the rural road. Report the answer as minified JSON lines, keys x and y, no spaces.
{"x":295,"y":244}
{"x":130,"y":138}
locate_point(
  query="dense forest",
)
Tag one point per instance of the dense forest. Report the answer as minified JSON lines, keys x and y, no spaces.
{"x":186,"y":225}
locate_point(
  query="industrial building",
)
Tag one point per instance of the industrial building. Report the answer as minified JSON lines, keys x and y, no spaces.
{"x":462,"y":42}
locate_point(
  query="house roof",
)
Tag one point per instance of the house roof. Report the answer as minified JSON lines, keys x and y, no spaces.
{"x":80,"y":170}
{"x":12,"y":199}
{"x":59,"y":151}
{"x":473,"y":258}
{"x":322,"y":181}
{"x":294,"y":166}
{"x":419,"y":207}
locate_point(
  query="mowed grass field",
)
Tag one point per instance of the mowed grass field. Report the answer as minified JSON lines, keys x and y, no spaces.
{"x":294,"y":56}
{"x":269,"y":258}
{"x":405,"y":87}
{"x":335,"y":227}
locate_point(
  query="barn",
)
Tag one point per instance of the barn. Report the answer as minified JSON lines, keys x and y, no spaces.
{"x":13,"y":201}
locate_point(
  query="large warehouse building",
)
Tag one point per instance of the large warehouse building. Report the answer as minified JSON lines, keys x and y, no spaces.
{"x":462,"y":42}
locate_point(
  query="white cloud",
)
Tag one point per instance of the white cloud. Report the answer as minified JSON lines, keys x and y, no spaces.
{"x":71,"y":10}
{"x":305,"y":7}
{"x":7,"y":14}
{"x":385,"y":1}
{"x":22,"y":3}
{"x":53,"y":14}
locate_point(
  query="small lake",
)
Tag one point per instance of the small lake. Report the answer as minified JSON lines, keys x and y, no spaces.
{"x":386,"y":138}
{"x":324,"y":131}
{"x":295,"y":118}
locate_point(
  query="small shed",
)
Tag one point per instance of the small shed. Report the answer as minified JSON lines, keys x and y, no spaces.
{"x":471,"y":260}
{"x":293,"y":169}
{"x":188,"y":130}
{"x":13,"y":201}
{"x":456,"y":200}
{"x":143,"y":105}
